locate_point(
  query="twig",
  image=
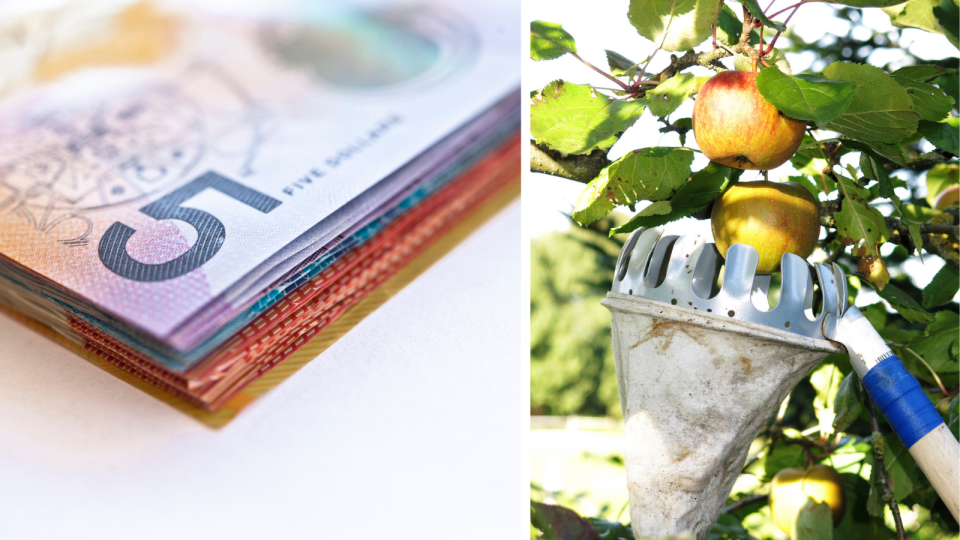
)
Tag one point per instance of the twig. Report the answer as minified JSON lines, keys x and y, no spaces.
{"x":602,"y":72}
{"x":743,"y":502}
{"x":644,"y":69}
{"x":922,"y":162}
{"x":882,"y":473}
{"x":776,"y":37}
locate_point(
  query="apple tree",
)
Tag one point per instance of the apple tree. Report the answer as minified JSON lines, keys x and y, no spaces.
{"x":879,"y":153}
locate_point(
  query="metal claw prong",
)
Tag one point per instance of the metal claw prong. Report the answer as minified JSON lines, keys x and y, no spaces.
{"x":828,"y":288}
{"x":658,"y":261}
{"x":741,"y":267}
{"x":705,"y":272}
{"x":796,"y":286}
{"x":761,"y":292}
{"x":842,"y":300}
{"x":683,"y":261}
{"x":633,"y":262}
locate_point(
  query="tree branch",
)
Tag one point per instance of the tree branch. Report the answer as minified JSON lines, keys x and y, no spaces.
{"x":922,"y":162}
{"x":582,"y":168}
{"x":882,"y":473}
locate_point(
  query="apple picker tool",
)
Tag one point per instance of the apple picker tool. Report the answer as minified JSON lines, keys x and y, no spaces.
{"x":731,"y":360}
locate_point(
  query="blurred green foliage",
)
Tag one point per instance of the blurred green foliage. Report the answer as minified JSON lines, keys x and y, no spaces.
{"x":571,"y":362}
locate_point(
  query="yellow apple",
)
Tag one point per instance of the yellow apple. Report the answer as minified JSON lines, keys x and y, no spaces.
{"x":790,"y":488}
{"x":947,"y":197}
{"x":736,"y":127}
{"x":773,"y":217}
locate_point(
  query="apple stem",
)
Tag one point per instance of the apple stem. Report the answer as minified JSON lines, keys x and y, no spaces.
{"x":600,"y":71}
{"x":644,"y":68}
{"x":716,"y":17}
{"x":878,"y":462}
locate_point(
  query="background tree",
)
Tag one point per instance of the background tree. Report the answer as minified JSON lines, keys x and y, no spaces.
{"x":881,"y":147}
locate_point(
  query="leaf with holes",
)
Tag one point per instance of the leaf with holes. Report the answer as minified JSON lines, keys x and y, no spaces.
{"x":650,"y":174}
{"x":704,"y":186}
{"x":674,"y":25}
{"x":668,"y":95}
{"x":655,"y":215}
{"x":805,"y":97}
{"x":549,"y":40}
{"x":576,"y":119}
{"x":881,"y":108}
{"x":858,"y":223}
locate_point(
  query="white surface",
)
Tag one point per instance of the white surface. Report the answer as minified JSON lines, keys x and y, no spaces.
{"x":407,"y":427}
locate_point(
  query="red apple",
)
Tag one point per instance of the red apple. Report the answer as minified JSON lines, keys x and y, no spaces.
{"x":736,"y":127}
{"x":773,"y":217}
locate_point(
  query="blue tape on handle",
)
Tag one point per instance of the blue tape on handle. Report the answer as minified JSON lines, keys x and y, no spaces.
{"x":898,"y":395}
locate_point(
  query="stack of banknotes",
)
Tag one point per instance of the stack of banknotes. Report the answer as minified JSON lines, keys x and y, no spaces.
{"x":193,"y":194}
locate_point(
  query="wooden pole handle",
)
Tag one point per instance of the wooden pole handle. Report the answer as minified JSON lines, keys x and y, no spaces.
{"x":938,"y":454}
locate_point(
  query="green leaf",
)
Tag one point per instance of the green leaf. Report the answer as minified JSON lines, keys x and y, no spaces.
{"x":904,"y":304}
{"x":915,"y":14}
{"x":953,"y":418}
{"x":619,"y":64}
{"x":948,"y":16}
{"x":848,"y":402}
{"x":704,"y":186}
{"x":858,"y":223}
{"x":921,"y":73}
{"x":805,"y":97}
{"x":594,"y":202}
{"x":655,"y":215}
{"x":944,"y":135}
{"x":873,"y":169}
{"x":940,"y":347}
{"x":928,"y":101}
{"x":784,"y":456}
{"x":942,"y":288}
{"x":650,"y":174}
{"x":675,"y":25}
{"x":881,"y":108}
{"x":892,"y":152}
{"x":729,"y":27}
{"x":576,"y":119}
{"x":826,"y":381}
{"x":549,"y":40}
{"x":919,"y":214}
{"x":757,"y":13}
{"x":814,"y":522}
{"x":611,"y":530}
{"x":557,"y":522}
{"x":728,"y":527}
{"x":668,"y":95}
{"x":938,"y":179}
